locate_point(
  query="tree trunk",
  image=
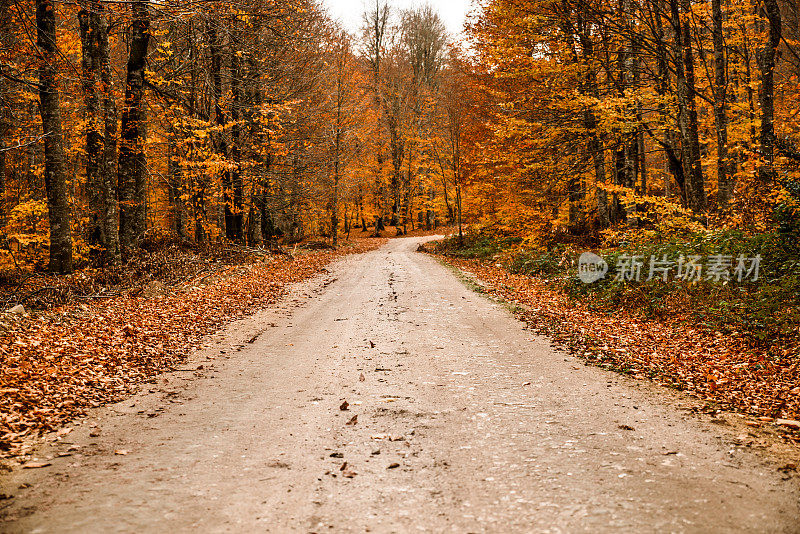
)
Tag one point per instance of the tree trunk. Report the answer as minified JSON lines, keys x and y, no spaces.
{"x":458,"y":210}
{"x":337,"y":148}
{"x":642,"y":157}
{"x":234,"y":219}
{"x":695,"y":197}
{"x":594,"y":145}
{"x":396,"y":148}
{"x":670,"y":141}
{"x":94,"y":142}
{"x":430,"y":214}
{"x":695,"y":177}
{"x":3,"y":218}
{"x":257,"y":170}
{"x":447,"y":205}
{"x":132,"y":173}
{"x":220,"y":120}
{"x":5,"y":125}
{"x":108,"y":168}
{"x":55,"y":174}
{"x":5,"y":114}
{"x":725,"y":178}
{"x":101,"y":116}
{"x":335,"y":208}
{"x":766,"y":64}
{"x":640,"y":153}
{"x":175,"y":184}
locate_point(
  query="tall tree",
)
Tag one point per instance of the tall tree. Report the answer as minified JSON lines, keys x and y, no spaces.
{"x":101,"y":126}
{"x":375,"y":23}
{"x":725,"y":175}
{"x":688,"y":126}
{"x":55,"y":173}
{"x":132,"y":177}
{"x":766,"y":63}
{"x":234,"y":195}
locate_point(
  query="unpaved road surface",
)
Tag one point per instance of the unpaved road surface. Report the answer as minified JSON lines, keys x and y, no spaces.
{"x":466,"y":422}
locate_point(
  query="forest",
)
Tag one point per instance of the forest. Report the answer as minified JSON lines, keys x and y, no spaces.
{"x":572,"y":121}
{"x":218,"y":121}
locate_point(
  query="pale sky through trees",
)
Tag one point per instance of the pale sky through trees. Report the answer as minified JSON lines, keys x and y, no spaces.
{"x":453,"y":12}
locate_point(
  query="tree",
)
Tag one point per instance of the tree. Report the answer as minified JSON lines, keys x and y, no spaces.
{"x":766,"y":64}
{"x":375,"y":22}
{"x":55,"y":173}
{"x":133,"y":174}
{"x":725,"y":174}
{"x":343,"y":104}
{"x":101,"y":127}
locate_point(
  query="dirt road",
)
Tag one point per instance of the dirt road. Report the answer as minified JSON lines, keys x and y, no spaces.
{"x":463,"y":422}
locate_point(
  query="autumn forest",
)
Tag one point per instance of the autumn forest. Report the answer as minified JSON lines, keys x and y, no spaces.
{"x":219,"y":121}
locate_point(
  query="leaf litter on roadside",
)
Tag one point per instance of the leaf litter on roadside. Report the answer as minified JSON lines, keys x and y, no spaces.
{"x":727,"y":371}
{"x":56,"y":365}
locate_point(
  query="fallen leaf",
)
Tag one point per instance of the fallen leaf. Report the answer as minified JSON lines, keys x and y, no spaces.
{"x":35,"y":465}
{"x":393,"y":465}
{"x":127,"y":338}
{"x":353,"y":420}
{"x":343,"y":406}
{"x":665,"y":351}
{"x":790,"y":423}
